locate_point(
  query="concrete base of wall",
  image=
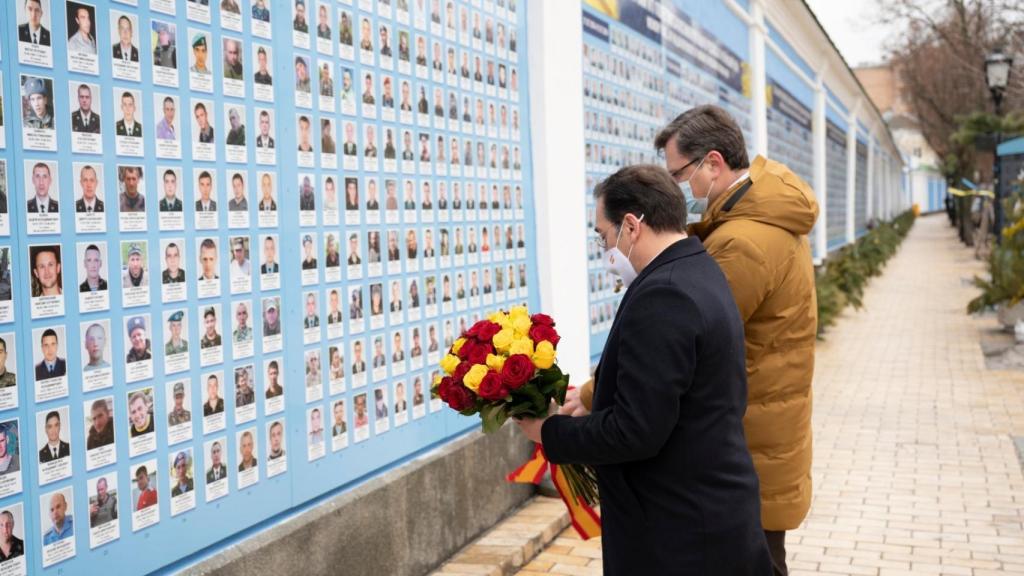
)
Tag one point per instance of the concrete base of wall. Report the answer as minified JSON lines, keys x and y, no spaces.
{"x":406,"y":521}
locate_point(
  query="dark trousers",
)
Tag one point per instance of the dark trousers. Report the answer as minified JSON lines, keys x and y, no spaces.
{"x":777,"y":548}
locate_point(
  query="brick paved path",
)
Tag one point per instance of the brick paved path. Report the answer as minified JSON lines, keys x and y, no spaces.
{"x":915,"y":470}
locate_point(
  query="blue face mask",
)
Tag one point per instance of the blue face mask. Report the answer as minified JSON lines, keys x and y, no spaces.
{"x":695,"y":207}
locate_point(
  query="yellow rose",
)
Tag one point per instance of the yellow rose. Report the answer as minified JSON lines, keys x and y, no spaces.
{"x":458,"y":345}
{"x":522,"y":325}
{"x":521,"y":346}
{"x":502,"y":340}
{"x":474,"y":376}
{"x":449,"y":363}
{"x":544,"y":356}
{"x":495,"y":363}
{"x":518,"y":312}
{"x":499,"y":318}
{"x":437,"y":382}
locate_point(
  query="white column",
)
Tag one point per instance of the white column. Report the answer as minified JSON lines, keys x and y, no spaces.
{"x":820,"y":170}
{"x":851,"y":176}
{"x":871,"y":177}
{"x":890,"y":191}
{"x":556,"y":123}
{"x":759,"y":81}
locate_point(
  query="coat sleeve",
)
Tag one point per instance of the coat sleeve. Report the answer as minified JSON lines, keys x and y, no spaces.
{"x":745,"y":268}
{"x":656,"y":357}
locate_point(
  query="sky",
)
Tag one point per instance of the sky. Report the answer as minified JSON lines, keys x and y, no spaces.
{"x":851,"y":25}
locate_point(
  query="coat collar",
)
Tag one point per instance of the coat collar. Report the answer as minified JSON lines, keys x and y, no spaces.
{"x":711,"y":219}
{"x":688,"y":246}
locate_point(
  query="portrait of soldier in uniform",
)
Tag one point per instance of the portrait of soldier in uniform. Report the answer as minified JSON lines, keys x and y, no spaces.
{"x":140,"y":345}
{"x":179,"y":414}
{"x":38,"y":94}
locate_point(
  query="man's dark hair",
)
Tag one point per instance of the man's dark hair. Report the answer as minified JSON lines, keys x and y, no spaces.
{"x":643,"y":189}
{"x":52,"y":414}
{"x":46,"y":333}
{"x":700,"y":130}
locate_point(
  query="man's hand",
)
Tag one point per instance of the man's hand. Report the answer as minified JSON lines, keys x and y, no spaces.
{"x":573,"y":406}
{"x":531,"y":428}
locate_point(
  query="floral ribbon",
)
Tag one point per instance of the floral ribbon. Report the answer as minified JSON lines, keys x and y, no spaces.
{"x":584,"y":518}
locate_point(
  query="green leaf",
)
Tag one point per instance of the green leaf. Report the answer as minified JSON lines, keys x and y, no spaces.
{"x":492,"y":417}
{"x":521,"y":409}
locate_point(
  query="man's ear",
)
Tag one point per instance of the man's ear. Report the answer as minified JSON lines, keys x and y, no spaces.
{"x":717,"y":163}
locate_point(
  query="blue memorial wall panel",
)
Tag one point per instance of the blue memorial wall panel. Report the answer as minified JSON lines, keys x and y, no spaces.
{"x":644,"y":63}
{"x":836,"y":168}
{"x":860,"y":214}
{"x":274,"y":214}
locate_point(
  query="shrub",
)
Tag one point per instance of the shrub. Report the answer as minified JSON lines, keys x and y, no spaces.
{"x":845,"y":274}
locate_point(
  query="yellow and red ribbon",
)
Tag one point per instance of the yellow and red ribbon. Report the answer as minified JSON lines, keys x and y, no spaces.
{"x":583,"y":517}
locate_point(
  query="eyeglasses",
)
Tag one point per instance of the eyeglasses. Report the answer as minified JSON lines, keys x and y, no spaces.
{"x":678,"y":172}
{"x":599,"y":241}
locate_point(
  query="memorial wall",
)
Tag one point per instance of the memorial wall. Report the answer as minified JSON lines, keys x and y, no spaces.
{"x":235,"y":238}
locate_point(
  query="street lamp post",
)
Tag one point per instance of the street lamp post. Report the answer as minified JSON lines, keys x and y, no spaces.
{"x":997,"y":77}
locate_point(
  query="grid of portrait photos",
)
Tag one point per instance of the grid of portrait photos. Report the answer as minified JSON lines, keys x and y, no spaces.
{"x":174,"y":155}
{"x":416,"y":227}
{"x":634,"y":83}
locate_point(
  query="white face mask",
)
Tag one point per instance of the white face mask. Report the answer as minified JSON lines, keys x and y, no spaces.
{"x":618,"y":263}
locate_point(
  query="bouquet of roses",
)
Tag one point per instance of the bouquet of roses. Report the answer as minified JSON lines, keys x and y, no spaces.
{"x":504,"y":367}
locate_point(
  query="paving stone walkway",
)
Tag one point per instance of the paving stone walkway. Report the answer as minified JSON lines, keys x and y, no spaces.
{"x":915,"y":466}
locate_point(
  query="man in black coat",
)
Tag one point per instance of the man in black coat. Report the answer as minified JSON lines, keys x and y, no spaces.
{"x":679,"y":494}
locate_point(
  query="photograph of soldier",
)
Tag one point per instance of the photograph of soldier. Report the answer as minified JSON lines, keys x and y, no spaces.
{"x":138,"y":338}
{"x":92,"y":261}
{"x":140,"y":412}
{"x":165,"y":49}
{"x":176,"y":342}
{"x":88,"y":182}
{"x":134,"y":274}
{"x":96,"y":347}
{"x":170,"y":202}
{"x":85,"y":119}
{"x":179,"y":414}
{"x":8,"y":378}
{"x":125,"y":46}
{"x":37,"y":102}
{"x":101,"y":429}
{"x":46,"y":270}
{"x":173,"y":273}
{"x":32,"y":31}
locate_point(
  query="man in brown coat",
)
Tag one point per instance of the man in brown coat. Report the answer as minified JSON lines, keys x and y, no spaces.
{"x":755,"y":220}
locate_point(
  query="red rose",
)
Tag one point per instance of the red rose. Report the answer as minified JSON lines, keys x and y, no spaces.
{"x":444,"y":388}
{"x":460,"y":372}
{"x":460,"y":398}
{"x":477,"y":351}
{"x":540,"y":333}
{"x":542,"y":319}
{"x":488,"y":330}
{"x":492,"y":387}
{"x":517,"y":371}
{"x":484,"y":330}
